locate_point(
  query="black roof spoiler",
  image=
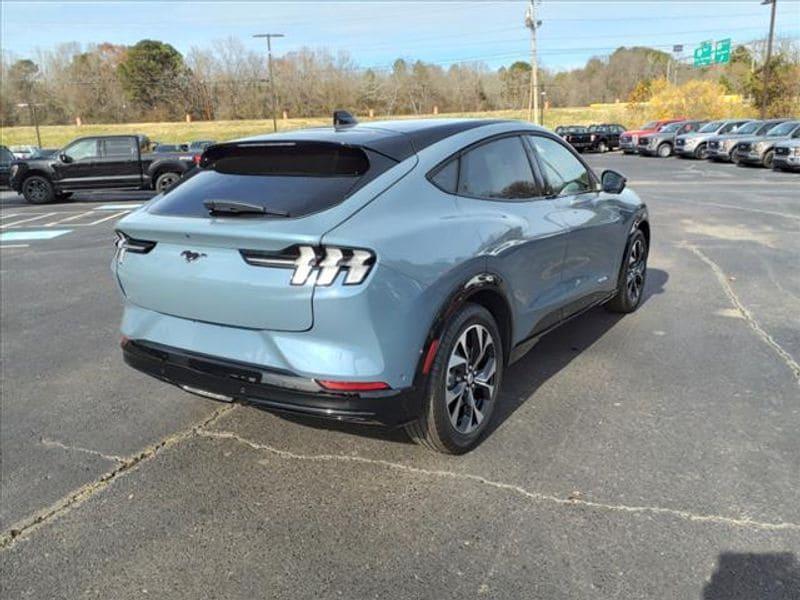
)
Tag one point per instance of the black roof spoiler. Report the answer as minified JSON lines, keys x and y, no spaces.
{"x":342,"y":118}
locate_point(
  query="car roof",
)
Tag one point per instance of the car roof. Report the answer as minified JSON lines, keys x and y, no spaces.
{"x":397,"y":139}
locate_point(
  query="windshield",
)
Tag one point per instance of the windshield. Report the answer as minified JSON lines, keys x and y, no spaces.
{"x":783,"y":129}
{"x":650,"y":125}
{"x":750,"y":127}
{"x":711,"y":127}
{"x":671,"y":127}
{"x":575,"y":129}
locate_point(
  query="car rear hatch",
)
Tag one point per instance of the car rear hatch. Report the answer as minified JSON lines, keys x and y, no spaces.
{"x":189,"y":253}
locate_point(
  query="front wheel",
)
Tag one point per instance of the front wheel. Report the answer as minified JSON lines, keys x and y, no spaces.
{"x":38,"y":190}
{"x":630,"y":288}
{"x":664,"y":151}
{"x":602,"y":148}
{"x":166,"y":180}
{"x":463,"y":385}
{"x":768,"y":159}
{"x":701,"y":152}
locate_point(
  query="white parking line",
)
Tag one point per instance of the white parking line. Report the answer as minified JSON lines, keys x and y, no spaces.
{"x":118,"y":206}
{"x":15,"y":223}
{"x":2,"y":246}
{"x":108,"y":218}
{"x":72,"y":218}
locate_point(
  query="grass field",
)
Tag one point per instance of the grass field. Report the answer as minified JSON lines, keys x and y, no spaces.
{"x":57,"y":136}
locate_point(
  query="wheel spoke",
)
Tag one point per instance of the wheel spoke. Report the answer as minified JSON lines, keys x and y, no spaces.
{"x":455,"y":393}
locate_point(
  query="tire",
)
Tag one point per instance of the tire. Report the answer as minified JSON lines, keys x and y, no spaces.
{"x":768,"y":159}
{"x":38,"y":190}
{"x":602,"y":148}
{"x":166,"y":180}
{"x":62,"y":196}
{"x":633,"y":275}
{"x":701,"y":152}
{"x":453,"y":427}
{"x":664,"y":150}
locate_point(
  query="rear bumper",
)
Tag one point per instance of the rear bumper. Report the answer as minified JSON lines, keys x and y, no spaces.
{"x":581,"y":145}
{"x":277,"y":391}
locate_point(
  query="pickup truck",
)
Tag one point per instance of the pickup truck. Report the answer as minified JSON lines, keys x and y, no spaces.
{"x":629,"y":141}
{"x":99,"y":163}
{"x":605,"y":136}
{"x":576,"y":136}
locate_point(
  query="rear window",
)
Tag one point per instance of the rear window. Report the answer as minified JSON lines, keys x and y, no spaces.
{"x":296,"y":178}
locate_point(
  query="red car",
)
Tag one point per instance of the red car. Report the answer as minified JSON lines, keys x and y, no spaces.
{"x":629,"y":140}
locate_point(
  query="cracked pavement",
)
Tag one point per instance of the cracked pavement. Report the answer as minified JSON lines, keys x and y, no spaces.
{"x":651,"y":456}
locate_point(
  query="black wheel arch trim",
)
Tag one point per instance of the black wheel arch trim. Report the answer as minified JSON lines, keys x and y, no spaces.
{"x":468,"y":289}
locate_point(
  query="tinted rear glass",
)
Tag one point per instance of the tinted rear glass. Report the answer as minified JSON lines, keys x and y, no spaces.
{"x":295,"y":178}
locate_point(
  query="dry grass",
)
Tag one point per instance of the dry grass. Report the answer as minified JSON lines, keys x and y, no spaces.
{"x":57,"y":136}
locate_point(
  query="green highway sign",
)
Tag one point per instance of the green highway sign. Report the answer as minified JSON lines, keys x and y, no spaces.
{"x":722,"y":51}
{"x":704,"y":54}
{"x":710,"y":53}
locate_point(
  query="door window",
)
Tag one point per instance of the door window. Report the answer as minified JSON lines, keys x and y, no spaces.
{"x":498,"y":169}
{"x":82,"y":149}
{"x":5,"y":156}
{"x":119,"y":148}
{"x":563,"y":173}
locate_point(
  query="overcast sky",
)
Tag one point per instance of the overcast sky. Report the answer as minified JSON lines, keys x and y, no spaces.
{"x":375,"y":33}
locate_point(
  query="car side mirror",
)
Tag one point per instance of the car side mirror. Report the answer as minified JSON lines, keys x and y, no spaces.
{"x":612,"y":182}
{"x":64,"y":157}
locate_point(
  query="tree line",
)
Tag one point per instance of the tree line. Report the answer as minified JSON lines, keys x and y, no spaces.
{"x":152,"y":81}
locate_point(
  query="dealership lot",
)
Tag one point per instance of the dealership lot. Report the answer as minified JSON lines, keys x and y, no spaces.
{"x":654,"y":455}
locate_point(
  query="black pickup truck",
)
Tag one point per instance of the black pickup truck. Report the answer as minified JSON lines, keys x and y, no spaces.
{"x":99,"y":163}
{"x":576,"y":136}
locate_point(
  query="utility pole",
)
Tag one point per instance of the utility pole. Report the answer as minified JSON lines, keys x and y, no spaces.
{"x":767,"y":65}
{"x":533,"y":93}
{"x":269,"y":37}
{"x":31,"y":106}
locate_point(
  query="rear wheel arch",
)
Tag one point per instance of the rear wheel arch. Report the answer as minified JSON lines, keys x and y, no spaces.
{"x":486,"y":290}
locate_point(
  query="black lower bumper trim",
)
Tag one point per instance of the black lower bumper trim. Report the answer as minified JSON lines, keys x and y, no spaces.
{"x":227,"y":380}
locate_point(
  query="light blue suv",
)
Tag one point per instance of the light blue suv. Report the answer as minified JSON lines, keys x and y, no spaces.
{"x":382,"y":273}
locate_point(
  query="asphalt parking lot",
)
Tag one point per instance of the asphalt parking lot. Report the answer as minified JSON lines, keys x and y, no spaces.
{"x":655,"y":455}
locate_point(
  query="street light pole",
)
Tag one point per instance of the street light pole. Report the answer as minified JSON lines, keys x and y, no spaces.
{"x":269,"y":37}
{"x":767,"y":65}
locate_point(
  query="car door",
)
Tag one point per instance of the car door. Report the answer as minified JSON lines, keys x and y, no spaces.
{"x":596,"y":236}
{"x":77,"y":171}
{"x":118,"y":165}
{"x":523,"y":233}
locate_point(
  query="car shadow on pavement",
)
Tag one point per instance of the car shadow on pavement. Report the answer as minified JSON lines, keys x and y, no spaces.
{"x":554,"y":352}
{"x":772,"y":576}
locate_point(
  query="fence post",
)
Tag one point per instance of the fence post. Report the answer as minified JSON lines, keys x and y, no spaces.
{"x":78,"y":122}
{"x":285,"y":115}
{"x":435,"y":109}
{"x":371,"y":113}
{"x":188,"y":118}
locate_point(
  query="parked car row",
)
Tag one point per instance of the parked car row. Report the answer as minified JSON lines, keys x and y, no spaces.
{"x":771,"y":143}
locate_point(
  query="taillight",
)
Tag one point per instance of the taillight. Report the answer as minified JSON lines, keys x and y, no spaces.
{"x":353,"y":386}
{"x":327,"y":262}
{"x":196,"y":159}
{"x":124,"y":244}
